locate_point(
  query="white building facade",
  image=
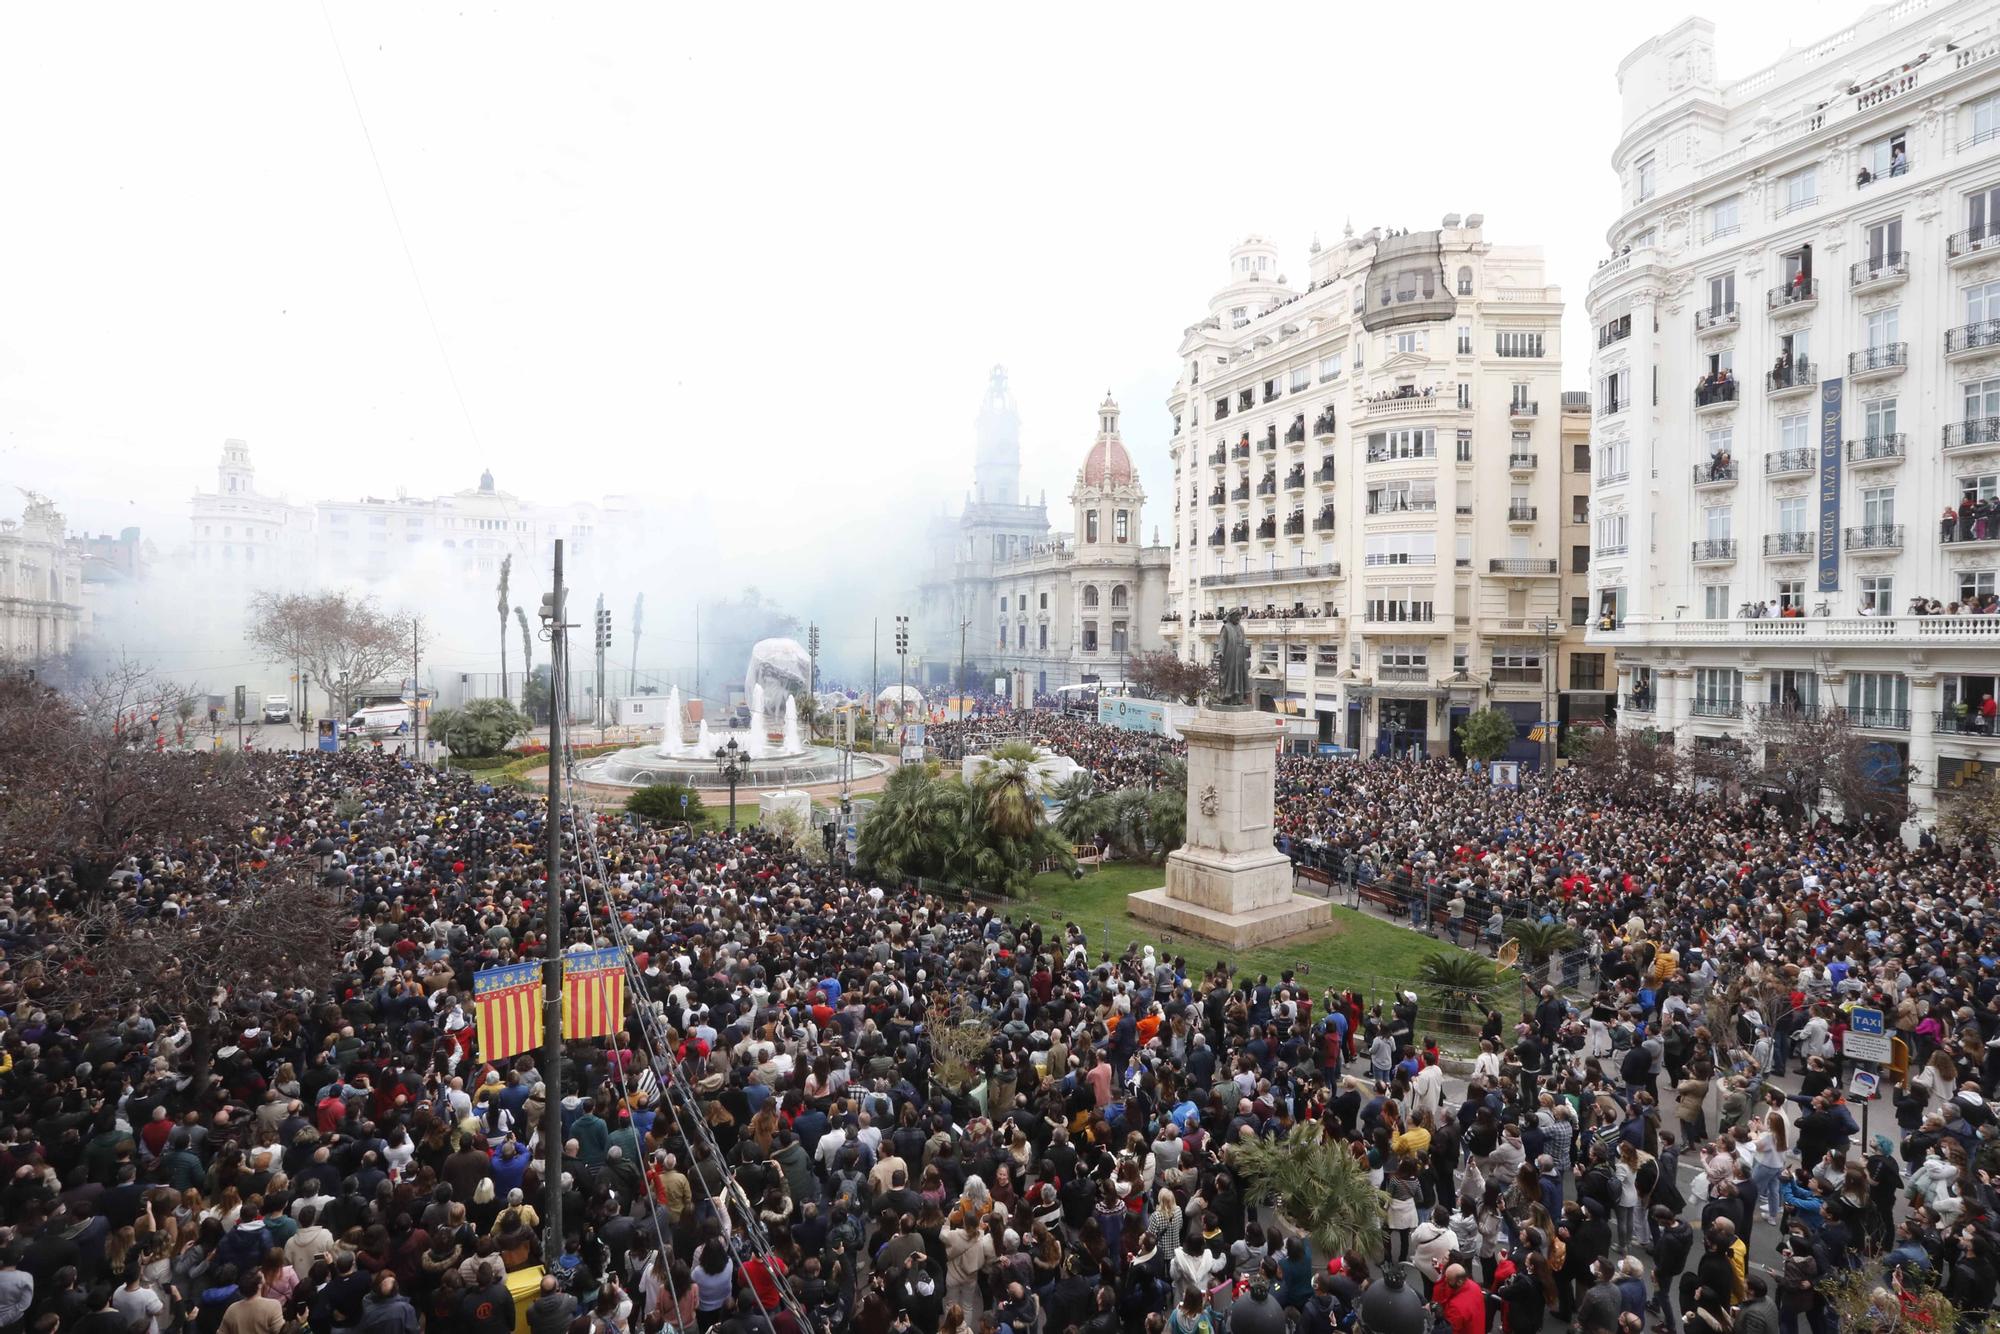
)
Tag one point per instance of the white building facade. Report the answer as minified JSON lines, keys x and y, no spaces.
{"x":1797,"y":374}
{"x":240,"y":539}
{"x":1368,"y":467}
{"x":41,"y":585}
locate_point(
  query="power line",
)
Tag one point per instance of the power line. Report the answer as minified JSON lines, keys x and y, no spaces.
{"x":423,"y":297}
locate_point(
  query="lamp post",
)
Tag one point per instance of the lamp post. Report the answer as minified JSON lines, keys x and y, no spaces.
{"x":730,"y":765}
{"x":1548,"y":629}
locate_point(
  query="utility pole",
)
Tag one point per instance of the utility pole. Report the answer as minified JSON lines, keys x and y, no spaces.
{"x":963,"y":625}
{"x":555,"y":630}
{"x":299,"y":675}
{"x":638,"y":619}
{"x":603,"y":629}
{"x":416,"y":691}
{"x":902,"y":679}
{"x":874,"y":671}
{"x":1548,"y":693}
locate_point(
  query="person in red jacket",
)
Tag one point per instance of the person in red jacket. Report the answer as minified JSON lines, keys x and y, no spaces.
{"x":1463,"y":1304}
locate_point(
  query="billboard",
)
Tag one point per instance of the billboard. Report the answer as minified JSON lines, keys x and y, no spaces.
{"x":1132,"y":715}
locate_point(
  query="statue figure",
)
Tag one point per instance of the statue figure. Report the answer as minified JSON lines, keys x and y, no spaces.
{"x":1232,"y":664}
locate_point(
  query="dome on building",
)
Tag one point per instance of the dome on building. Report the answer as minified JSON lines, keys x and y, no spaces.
{"x":1107,"y":463}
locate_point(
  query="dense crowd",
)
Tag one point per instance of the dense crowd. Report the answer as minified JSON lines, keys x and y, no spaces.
{"x":352,"y":1162}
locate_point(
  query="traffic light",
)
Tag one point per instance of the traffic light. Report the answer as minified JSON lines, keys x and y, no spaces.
{"x":603,"y":627}
{"x":241,"y":708}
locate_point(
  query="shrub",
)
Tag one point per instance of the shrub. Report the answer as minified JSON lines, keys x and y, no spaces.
{"x":661,"y":804}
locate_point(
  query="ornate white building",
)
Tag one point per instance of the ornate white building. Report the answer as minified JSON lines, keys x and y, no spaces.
{"x":1797,"y":372}
{"x":1044,"y":611}
{"x":41,"y":585}
{"x":1368,"y":466}
{"x":240,"y":539}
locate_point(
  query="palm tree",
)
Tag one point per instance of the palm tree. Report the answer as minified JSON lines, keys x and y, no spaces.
{"x":1461,"y":984}
{"x":917,"y":826}
{"x":506,"y":571}
{"x":1007,"y":788}
{"x":1084,"y":809}
{"x":1322,"y":1188}
{"x":1541,"y":940}
{"x":1131,"y":822}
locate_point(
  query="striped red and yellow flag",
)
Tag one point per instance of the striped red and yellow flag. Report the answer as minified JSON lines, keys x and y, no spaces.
{"x":508,"y":1005}
{"x":593,"y":993}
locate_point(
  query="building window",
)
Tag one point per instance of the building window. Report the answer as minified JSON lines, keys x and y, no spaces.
{"x":1801,"y":189}
{"x":1616,"y":391}
{"x":1044,"y":601}
{"x":1579,"y":560}
{"x":1984,"y":118}
{"x":1465,"y":280}
{"x":1042,"y":638}
{"x":1643,"y":179}
{"x":1878,"y":698}
{"x":1973,"y":585}
{"x":1118,"y":636}
{"x":1517,"y":663}
{"x":1417,"y":443}
{"x":1464,"y":394}
{"x":1715,"y":602}
{"x":1118,"y":596}
{"x":1792,"y":514}
{"x":1878,"y":594}
{"x":1614,"y":462}
{"x":1121,"y":526}
{"x":1464,"y":340}
{"x":1579,"y":456}
{"x":1880,"y":418}
{"x":1610,"y":534}
{"x":1586,"y":671}
{"x":1725,"y":217}
{"x":1090,"y":525}
{"x":1329,"y":367}
{"x":1517,"y":343}
{"x":1878,"y":506}
{"x":1301,"y":378}
{"x":1579,"y":609}
{"x":1409,"y":341}
{"x":1020,"y":636}
{"x":1090,"y":595}
{"x":1090,"y":636}
{"x":1718,"y":688}
{"x":1791,"y":594}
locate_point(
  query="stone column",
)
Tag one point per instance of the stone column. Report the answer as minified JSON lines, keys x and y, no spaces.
{"x":1923,"y":748}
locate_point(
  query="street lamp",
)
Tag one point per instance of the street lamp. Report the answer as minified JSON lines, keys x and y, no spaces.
{"x":902,"y":679}
{"x":730,"y":765}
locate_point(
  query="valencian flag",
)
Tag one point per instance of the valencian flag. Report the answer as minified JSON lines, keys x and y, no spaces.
{"x":593,"y":993}
{"x":508,"y":1004}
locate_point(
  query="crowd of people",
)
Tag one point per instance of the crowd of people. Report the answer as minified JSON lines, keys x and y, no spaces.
{"x":352,"y":1162}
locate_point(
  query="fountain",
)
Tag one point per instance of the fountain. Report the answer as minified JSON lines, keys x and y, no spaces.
{"x":779,"y":755}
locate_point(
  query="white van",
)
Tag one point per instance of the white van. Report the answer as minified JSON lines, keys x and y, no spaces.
{"x":277,"y":708}
{"x":380,"y":720}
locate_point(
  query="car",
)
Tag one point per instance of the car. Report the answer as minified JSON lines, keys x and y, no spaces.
{"x":277,"y":708}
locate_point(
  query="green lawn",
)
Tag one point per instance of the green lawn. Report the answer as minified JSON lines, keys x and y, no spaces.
{"x":1359,"y":951}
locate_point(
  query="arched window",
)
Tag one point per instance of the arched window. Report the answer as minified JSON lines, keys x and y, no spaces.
{"x":1118,"y":596}
{"x":1090,"y":525}
{"x":1089,"y":595}
{"x":1465,"y":281}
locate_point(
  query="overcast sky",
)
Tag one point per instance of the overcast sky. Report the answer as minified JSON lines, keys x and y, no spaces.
{"x":756,"y":256}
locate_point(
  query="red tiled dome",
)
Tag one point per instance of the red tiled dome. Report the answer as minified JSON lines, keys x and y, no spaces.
{"x":1107,"y":464}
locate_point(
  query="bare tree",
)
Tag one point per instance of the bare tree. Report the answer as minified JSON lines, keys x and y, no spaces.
{"x":1629,"y":767}
{"x":276,"y":931}
{"x":1814,"y":756}
{"x":335,"y":635}
{"x":1970,"y":817}
{"x":89,"y":783}
{"x":1164,"y":676}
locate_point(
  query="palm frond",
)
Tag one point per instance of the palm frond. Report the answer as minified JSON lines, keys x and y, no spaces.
{"x":1322,"y":1188}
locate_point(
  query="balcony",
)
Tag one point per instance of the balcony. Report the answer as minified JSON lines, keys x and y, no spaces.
{"x":1215,"y":539}
{"x":1323,"y":523}
{"x":1636,"y":703}
{"x":1790,"y":462}
{"x":1968,"y":723}
{"x":1219,"y":496}
{"x":1520,"y":513}
{"x":1792,"y":296}
{"x":1267,"y":530}
{"x":1523,"y":410}
{"x":1295,"y":480}
{"x":1892,"y":266}
{"x":1522,"y":462}
{"x":1611,"y":407}
{"x":1717,"y":708}
{"x":1872,"y":363}
{"x":1716,"y":395}
{"x":1874,"y":537}
{"x":1241,"y":491}
{"x":1876,"y":450}
{"x":1269,"y":444}
{"x":1721,"y":318}
{"x":1240,"y":450}
{"x":1713,"y":550}
{"x":1400,"y":620}
{"x":1833,"y":631}
{"x":1267,"y":485}
{"x":1521,"y":565}
{"x":1296,"y":432}
{"x":1967,"y":339}
{"x":1968,"y":245}
{"x":1324,"y":473}
{"x":1403,"y":505}
{"x":1323,"y":424}
{"x":1239,"y":533}
{"x":1295,"y":525}
{"x":1793,"y":377}
{"x":1221,"y":409}
{"x":1972,"y":433}
{"x":1616,"y":331}
{"x":1880,"y":720}
{"x":1779,"y":546}
{"x":1969,"y":542}
{"x":1714,"y":474}
{"x":1287,"y":575}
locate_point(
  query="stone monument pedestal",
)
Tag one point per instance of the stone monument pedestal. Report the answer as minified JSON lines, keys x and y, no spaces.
{"x":1228,"y":884}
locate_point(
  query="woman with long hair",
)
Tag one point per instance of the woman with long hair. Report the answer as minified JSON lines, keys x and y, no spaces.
{"x":1767,"y":1161}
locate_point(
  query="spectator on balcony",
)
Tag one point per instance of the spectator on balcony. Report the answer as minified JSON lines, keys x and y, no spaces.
{"x":1864,"y":177}
{"x":1899,"y":161}
{"x":1781,"y":371}
{"x":1987,"y":712}
{"x":1967,"y":506}
{"x":1948,"y":524}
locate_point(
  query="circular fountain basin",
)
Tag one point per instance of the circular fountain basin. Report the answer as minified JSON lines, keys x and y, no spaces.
{"x":643,"y":766}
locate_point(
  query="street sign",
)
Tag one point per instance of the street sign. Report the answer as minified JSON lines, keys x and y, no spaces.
{"x":1865,"y":1021}
{"x":1865,"y":1046}
{"x":1863,"y":1084}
